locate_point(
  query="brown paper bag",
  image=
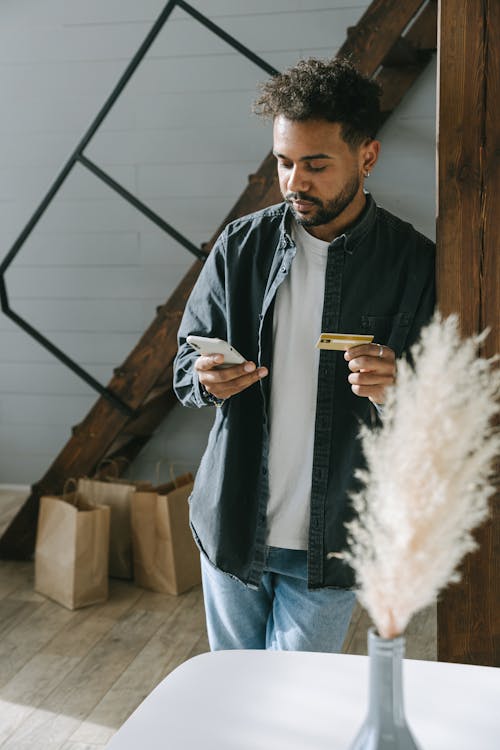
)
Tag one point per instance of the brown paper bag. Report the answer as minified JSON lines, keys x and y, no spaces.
{"x":116,"y":495}
{"x":166,"y":558}
{"x":71,"y":551}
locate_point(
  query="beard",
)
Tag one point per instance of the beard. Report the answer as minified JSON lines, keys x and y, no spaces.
{"x":326,"y":211}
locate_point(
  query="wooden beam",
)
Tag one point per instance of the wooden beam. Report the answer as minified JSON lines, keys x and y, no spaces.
{"x":490,"y":296}
{"x":468,"y":273}
{"x":490,"y":271}
{"x":379,"y":29}
{"x":397,"y":79}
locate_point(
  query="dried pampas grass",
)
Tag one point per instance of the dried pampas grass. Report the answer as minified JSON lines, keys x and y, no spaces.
{"x":428,"y":477}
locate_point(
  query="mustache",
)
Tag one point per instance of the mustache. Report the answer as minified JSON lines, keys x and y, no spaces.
{"x":289,"y":197}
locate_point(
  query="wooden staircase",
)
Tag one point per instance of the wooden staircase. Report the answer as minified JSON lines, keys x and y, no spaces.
{"x":383,"y":46}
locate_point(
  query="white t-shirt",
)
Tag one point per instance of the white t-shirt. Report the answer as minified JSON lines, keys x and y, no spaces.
{"x":297,"y":319}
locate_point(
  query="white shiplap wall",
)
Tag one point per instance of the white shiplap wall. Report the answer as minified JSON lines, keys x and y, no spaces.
{"x":182,"y":138}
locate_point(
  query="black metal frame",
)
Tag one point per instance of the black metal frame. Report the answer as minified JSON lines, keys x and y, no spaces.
{"x":78,"y":157}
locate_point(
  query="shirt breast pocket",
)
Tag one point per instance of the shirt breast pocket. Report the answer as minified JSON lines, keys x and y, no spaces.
{"x":390,"y":330}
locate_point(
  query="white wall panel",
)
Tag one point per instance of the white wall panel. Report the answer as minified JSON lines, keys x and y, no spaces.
{"x":80,"y":185}
{"x":117,"y":215}
{"x":35,"y":14}
{"x":93,"y":283}
{"x":81,"y":248}
{"x":80,"y":315}
{"x":181,"y":146}
{"x":188,"y":180}
{"x":70,"y":43}
{"x":403,"y":180}
{"x":273,"y":32}
{"x":54,"y":379}
{"x":14,"y":439}
{"x":33,"y":409}
{"x":177,"y":110}
{"x":158,"y":249}
{"x":225,"y":8}
{"x":96,"y":348}
{"x":68,"y":81}
{"x":22,"y":465}
{"x":182,"y":137}
{"x":179,"y":443}
{"x":39,"y":149}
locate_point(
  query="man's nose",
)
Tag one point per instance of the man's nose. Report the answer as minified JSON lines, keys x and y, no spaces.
{"x":298,"y":182}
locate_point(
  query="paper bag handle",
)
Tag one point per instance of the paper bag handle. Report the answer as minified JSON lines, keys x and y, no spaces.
{"x":114,"y":463}
{"x":70,"y":488}
{"x":171,"y":469}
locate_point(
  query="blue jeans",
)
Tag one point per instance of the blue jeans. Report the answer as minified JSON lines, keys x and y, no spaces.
{"x":282,"y":614}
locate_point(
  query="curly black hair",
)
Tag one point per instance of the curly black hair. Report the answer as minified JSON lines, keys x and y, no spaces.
{"x":331,"y":90}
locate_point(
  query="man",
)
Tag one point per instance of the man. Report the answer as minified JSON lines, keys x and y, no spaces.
{"x":272,"y":493}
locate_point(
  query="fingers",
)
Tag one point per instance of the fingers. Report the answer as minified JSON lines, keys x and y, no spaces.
{"x":370,"y":378}
{"x":365,"y":385}
{"x":376,"y":394}
{"x":368,"y":353}
{"x":230,"y":388}
{"x":373,"y":364}
{"x":208,"y":362}
{"x":373,"y":369}
{"x":371,"y":357}
{"x":227,"y":382}
{"x":211,"y":365}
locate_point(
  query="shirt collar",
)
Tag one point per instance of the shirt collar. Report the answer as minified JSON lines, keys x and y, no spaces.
{"x":363,"y":224}
{"x":352,"y":236}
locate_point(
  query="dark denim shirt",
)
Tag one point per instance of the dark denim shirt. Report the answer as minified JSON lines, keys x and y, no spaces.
{"x":379,"y":280}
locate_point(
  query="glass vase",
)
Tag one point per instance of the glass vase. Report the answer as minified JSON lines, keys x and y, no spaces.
{"x":385,"y":726}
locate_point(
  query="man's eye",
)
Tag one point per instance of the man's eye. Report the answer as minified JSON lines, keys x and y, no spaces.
{"x":311,"y":168}
{"x":284,"y":165}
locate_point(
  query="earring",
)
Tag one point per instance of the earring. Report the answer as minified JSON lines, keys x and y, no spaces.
{"x":367,"y":174}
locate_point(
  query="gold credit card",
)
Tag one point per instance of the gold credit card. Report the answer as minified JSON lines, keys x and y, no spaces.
{"x":342,"y":341}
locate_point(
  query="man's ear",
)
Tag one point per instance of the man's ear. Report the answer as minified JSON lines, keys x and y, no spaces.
{"x":369,"y":152}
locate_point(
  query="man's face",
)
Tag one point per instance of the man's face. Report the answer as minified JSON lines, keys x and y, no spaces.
{"x":320,"y":176}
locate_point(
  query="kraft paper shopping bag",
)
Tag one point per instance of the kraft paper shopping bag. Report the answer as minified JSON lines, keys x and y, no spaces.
{"x":71,"y":551}
{"x":166,"y":558}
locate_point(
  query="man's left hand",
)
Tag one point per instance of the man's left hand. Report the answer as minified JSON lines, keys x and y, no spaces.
{"x":373,"y":368}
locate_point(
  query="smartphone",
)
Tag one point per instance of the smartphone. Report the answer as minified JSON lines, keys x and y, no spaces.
{"x":207,"y":346}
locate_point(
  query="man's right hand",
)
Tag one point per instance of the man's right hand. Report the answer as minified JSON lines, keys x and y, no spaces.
{"x":227,"y":381}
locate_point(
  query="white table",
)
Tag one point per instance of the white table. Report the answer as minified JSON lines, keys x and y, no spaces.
{"x":268,"y":700}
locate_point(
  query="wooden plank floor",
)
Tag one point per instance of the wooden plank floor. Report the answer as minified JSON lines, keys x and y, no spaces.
{"x":68,"y":680}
